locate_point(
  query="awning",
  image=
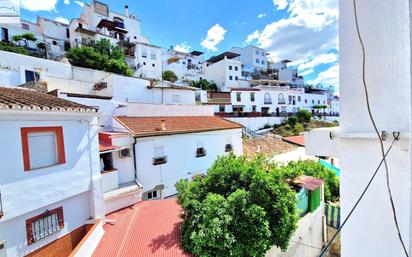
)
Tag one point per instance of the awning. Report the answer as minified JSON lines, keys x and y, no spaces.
{"x":105,"y":148}
{"x":308,"y":182}
{"x":105,"y":142}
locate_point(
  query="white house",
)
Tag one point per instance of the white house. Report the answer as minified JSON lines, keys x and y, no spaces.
{"x":171,"y":148}
{"x":50,"y":182}
{"x":186,"y":66}
{"x":286,"y":73}
{"x":252,"y":58}
{"x":56,"y":36}
{"x":370,"y":230}
{"x":224,"y":70}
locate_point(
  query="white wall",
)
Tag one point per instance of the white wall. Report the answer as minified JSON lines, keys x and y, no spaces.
{"x":371,"y":230}
{"x":154,"y":110}
{"x":318,"y":142}
{"x":219,"y":73}
{"x":256,"y":123}
{"x":181,"y":156}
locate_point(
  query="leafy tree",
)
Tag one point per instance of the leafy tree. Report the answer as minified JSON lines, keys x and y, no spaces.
{"x":102,"y":56}
{"x":238,"y":199}
{"x":292,"y":121}
{"x":204,"y":85}
{"x":41,"y":45}
{"x":303,"y":116}
{"x":169,"y":76}
{"x":25,"y":37}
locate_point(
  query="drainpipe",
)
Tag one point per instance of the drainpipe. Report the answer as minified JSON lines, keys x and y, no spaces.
{"x":134,"y":158}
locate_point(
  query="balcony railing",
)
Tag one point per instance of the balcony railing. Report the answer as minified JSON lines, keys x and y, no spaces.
{"x":159,"y":160}
{"x":267,"y":101}
{"x":281,"y":102}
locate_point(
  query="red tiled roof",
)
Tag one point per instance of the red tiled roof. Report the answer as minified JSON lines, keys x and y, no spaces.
{"x":150,"y":126}
{"x":297,"y":140}
{"x":27,"y":99}
{"x":105,"y":140}
{"x":149,"y":228}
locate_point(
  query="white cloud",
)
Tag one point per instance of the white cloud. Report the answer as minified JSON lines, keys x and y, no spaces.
{"x":62,"y":20}
{"x":327,"y":77}
{"x":255,"y":35}
{"x":306,"y":72}
{"x":183,"y":47}
{"x":79,"y":3}
{"x":66,"y":1}
{"x":39,"y":5}
{"x":280,"y":4}
{"x":215,"y":35}
{"x":310,"y":29}
{"x":317,"y":60}
{"x":261,"y":15}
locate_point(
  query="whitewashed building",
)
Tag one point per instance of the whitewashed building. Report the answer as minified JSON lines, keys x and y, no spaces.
{"x":186,"y":66}
{"x":170,"y":148}
{"x":224,"y":70}
{"x":50,"y":182}
{"x":252,"y":58}
{"x":286,"y":73}
{"x":371,"y":230}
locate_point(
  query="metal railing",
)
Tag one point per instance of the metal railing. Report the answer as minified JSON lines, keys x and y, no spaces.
{"x":267,"y":101}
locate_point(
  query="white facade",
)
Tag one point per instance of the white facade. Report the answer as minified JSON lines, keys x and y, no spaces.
{"x":288,"y":74}
{"x":371,"y":231}
{"x":226,"y":73}
{"x":56,"y":36}
{"x":26,"y":194}
{"x":252,"y":58}
{"x":7,"y":31}
{"x":186,"y":66}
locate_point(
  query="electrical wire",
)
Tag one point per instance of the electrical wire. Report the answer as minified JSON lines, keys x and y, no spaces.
{"x":310,"y":246}
{"x":357,"y":201}
{"x":388,"y":186}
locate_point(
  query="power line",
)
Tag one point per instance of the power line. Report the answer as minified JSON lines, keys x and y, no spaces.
{"x":310,"y":246}
{"x":388,"y":186}
{"x":359,"y":199}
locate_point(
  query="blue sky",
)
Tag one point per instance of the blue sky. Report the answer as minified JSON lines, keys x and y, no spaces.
{"x":304,"y":31}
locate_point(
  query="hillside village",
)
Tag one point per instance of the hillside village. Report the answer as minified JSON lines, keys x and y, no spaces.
{"x":114,"y":146}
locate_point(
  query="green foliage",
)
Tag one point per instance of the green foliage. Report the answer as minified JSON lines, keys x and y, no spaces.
{"x":292,"y":121}
{"x":204,"y":84}
{"x":314,"y":169}
{"x":169,"y":76}
{"x":41,"y":45}
{"x":102,"y":56}
{"x":13,"y":48}
{"x":25,"y":37}
{"x":303,"y":116}
{"x":322,"y":106}
{"x":236,"y":201}
{"x":299,"y":128}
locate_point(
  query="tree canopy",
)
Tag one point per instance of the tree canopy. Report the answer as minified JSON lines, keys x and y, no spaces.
{"x":238,"y":199}
{"x":170,"y":76}
{"x":101,"y":56}
{"x":204,"y":85}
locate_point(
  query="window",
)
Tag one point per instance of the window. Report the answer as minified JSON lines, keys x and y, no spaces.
{"x":253,"y":108}
{"x":263,"y":54}
{"x":257,"y":61}
{"x":144,"y":53}
{"x":299,"y":98}
{"x":236,"y":78}
{"x":118,"y":22}
{"x":176,"y":98}
{"x":281,"y":99}
{"x":318,"y":101}
{"x":54,"y":42}
{"x":267,"y":99}
{"x":221,"y":108}
{"x":153,"y":194}
{"x":230,"y":67}
{"x":200,"y":150}
{"x":4,"y":34}
{"x":159,"y":155}
{"x":230,"y":77}
{"x":263,"y":62}
{"x":42,"y":147}
{"x":31,"y":75}
{"x":144,"y":63}
{"x":25,"y":26}
{"x":44,"y":225}
{"x":153,"y":65}
{"x":313,"y":101}
{"x":238,"y":96}
{"x":257,"y":51}
{"x":67,"y":33}
{"x":153,"y":56}
{"x":107,"y":161}
{"x":236,"y":68}
{"x":228,"y":148}
{"x":252,"y":97}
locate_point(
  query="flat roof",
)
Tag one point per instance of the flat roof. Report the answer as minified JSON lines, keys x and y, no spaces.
{"x":217,"y":58}
{"x":196,"y":53}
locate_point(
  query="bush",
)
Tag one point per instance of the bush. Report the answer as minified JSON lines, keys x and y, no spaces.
{"x":169,"y":76}
{"x":14,"y":49}
{"x":102,"y":56}
{"x":240,"y":208}
{"x":299,"y":128}
{"x":292,"y":121}
{"x":303,"y":116}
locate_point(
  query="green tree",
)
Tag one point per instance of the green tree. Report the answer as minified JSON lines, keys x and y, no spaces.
{"x":25,"y":37}
{"x":303,"y":116}
{"x":169,"y":76}
{"x":204,"y":84}
{"x":238,"y":199}
{"x":292,"y":121}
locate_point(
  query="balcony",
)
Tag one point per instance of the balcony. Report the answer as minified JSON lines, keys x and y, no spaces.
{"x":281,"y":102}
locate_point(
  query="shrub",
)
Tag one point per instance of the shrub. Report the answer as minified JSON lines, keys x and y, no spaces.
{"x":292,"y":121}
{"x":204,"y":84}
{"x":236,"y":201}
{"x":299,"y":128}
{"x":169,"y":76}
{"x":303,"y":116}
{"x":14,"y":49}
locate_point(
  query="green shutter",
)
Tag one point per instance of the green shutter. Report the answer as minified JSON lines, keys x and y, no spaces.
{"x":314,"y":199}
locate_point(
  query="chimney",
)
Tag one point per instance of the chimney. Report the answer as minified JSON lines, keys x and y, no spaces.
{"x":162,"y":124}
{"x":126,"y":10}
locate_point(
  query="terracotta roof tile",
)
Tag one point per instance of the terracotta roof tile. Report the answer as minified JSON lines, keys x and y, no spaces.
{"x":150,"y":126}
{"x":149,"y":228}
{"x":297,"y":140}
{"x":27,"y":99}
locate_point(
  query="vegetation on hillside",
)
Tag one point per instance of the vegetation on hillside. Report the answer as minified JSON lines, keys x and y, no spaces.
{"x":240,"y":199}
{"x":204,"y":85}
{"x":101,"y":56}
{"x":299,"y":123}
{"x":20,"y":44}
{"x":169,"y":75}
